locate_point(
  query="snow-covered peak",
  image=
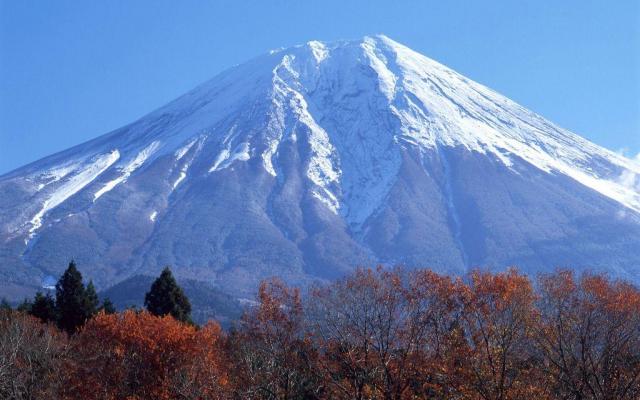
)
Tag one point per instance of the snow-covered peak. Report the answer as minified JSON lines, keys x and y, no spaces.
{"x":354,"y":106}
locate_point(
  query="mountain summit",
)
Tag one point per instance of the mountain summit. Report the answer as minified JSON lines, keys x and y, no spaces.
{"x":308,"y":161}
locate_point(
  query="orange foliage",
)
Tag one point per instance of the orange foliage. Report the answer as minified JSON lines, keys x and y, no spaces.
{"x":270,"y":356}
{"x":376,"y":334}
{"x":135,"y":355}
{"x":589,"y":337}
{"x":498,"y":319}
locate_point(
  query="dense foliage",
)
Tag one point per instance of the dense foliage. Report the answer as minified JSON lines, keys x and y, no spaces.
{"x":167,"y":298}
{"x":376,"y":334}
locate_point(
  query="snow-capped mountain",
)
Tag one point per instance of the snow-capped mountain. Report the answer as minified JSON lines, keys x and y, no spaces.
{"x":308,"y":161}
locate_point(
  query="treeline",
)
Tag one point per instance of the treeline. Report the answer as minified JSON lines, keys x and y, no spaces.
{"x":376,"y":334}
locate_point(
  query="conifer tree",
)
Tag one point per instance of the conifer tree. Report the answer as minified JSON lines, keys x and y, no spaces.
{"x":107,"y":306}
{"x":43,"y":308}
{"x":25,"y":306}
{"x":91,"y":301}
{"x":73,"y":304}
{"x":5,"y":305}
{"x":166,"y":297}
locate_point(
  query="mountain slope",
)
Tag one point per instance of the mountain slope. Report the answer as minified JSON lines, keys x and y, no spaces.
{"x":307,"y":161}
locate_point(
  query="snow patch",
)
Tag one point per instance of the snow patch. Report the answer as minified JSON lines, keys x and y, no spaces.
{"x":140,"y":158}
{"x":226,"y":157}
{"x":181,"y":153}
{"x":55,"y":174}
{"x":319,"y":51}
{"x":152,"y":216}
{"x":184,"y":149}
{"x":73,"y":185}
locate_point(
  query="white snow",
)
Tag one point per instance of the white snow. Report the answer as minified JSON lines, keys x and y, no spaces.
{"x":152,"y":216}
{"x":226,"y":157}
{"x":350,"y":109}
{"x":438,"y":106}
{"x":128,"y":169}
{"x":54,"y":175}
{"x":73,"y":185}
{"x":319,"y":50}
{"x":181,"y":152}
{"x":183,"y":174}
{"x":184,"y":149}
{"x":322,"y":168}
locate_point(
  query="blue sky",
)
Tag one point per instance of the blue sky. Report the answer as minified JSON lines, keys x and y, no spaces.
{"x":71,"y":71}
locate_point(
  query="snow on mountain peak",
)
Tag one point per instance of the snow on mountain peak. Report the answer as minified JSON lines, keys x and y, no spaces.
{"x":355,"y":104}
{"x":308,"y":160}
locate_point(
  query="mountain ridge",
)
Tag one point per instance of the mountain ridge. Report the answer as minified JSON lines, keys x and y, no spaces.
{"x":337,"y":143}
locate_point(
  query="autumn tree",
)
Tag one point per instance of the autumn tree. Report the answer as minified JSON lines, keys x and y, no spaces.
{"x":269,"y":352}
{"x":434,"y":336}
{"x":166,"y":297}
{"x":497,"y":319}
{"x":141,"y":356}
{"x":31,"y":357}
{"x":589,"y":337}
{"x":385,"y":333}
{"x":342,"y":317}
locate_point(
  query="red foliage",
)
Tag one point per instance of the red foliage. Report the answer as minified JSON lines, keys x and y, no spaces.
{"x":135,"y":355}
{"x":376,"y":334}
{"x":589,"y":337}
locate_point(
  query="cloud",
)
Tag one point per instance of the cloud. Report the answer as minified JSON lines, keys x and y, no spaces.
{"x":630,"y":179}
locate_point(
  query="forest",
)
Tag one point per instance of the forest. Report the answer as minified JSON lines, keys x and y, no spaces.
{"x":376,"y":334}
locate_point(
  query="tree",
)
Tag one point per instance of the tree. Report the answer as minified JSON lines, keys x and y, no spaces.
{"x":498,"y":321}
{"x":91,"y":301}
{"x":136,"y":355}
{"x":270,"y":355}
{"x":589,"y":337}
{"x":385,"y":334}
{"x":31,"y":357}
{"x":74,"y":305}
{"x":25,"y":306}
{"x":44,"y":308}
{"x":107,"y":306}
{"x":5,"y":305}
{"x":166,"y":297}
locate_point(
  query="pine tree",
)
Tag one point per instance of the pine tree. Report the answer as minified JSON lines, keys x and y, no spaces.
{"x":91,"y":301}
{"x":107,"y":306}
{"x":73,"y":303}
{"x":166,"y":297}
{"x":43,"y":307}
{"x":25,"y":306}
{"x":5,"y":305}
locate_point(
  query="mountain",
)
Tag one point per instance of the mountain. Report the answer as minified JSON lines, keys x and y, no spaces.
{"x":207,"y":303}
{"x":308,"y":161}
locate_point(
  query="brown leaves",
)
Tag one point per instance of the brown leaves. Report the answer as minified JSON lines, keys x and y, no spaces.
{"x":138,"y":355}
{"x":31,"y":357}
{"x":376,"y":334}
{"x":588,"y":336}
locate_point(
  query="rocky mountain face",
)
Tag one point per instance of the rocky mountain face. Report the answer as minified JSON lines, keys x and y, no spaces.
{"x":308,"y":161}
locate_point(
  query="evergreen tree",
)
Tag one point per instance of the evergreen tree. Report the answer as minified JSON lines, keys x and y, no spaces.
{"x":73,"y":303}
{"x":91,"y":301}
{"x":5,"y":305}
{"x":43,"y":308}
{"x":25,"y":306}
{"x":107,"y":306}
{"x":166,"y":297}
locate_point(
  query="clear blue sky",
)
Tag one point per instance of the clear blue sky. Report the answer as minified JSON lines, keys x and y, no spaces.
{"x":71,"y":71}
